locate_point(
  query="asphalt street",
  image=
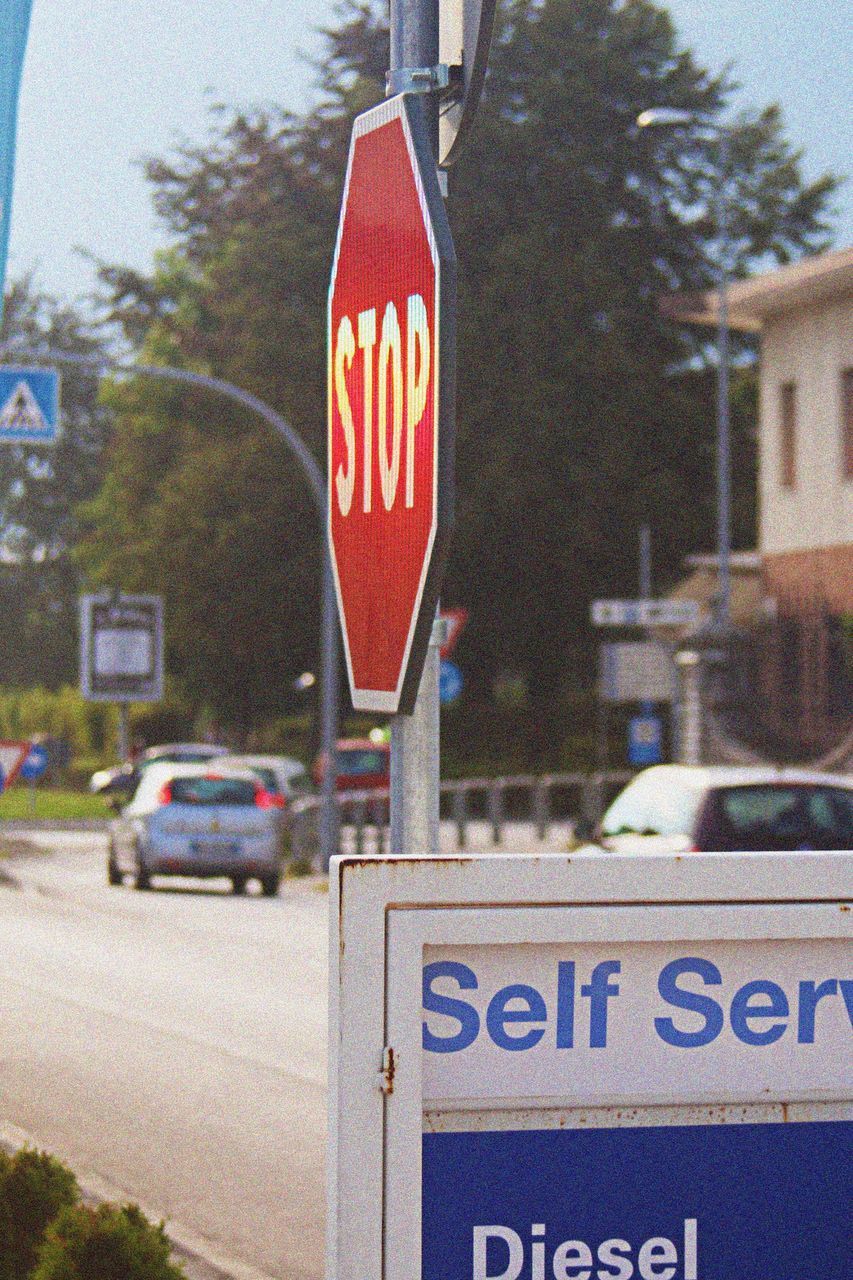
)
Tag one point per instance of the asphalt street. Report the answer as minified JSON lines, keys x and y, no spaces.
{"x":171,"y":1046}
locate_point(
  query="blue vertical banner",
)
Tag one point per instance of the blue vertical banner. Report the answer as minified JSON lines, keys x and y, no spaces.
{"x":14,"y":28}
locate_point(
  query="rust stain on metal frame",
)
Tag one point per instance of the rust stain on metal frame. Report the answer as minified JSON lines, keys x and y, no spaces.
{"x":388,"y":1071}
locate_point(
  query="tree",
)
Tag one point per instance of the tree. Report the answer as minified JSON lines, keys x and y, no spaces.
{"x":570,"y":224}
{"x":40,"y":488}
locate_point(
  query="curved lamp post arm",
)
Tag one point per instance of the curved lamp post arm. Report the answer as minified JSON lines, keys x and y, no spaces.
{"x":329,"y":675}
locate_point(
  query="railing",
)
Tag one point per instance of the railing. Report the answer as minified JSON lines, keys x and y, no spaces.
{"x":540,"y":802}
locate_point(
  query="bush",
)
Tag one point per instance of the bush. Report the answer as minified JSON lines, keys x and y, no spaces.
{"x":107,"y":1243}
{"x":33,"y":1189}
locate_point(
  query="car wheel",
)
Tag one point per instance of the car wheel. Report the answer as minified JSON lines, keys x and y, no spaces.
{"x":142,"y":879}
{"x":269,"y":885}
{"x":238,"y":884}
{"x":114,"y":876}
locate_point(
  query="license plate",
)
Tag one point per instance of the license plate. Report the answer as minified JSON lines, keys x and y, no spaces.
{"x":216,"y":848}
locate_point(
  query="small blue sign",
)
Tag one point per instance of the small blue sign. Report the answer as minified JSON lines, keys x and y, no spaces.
{"x":693,"y":1202}
{"x":450,"y":681}
{"x":29,"y":405}
{"x":35,"y":763}
{"x":645,"y":740}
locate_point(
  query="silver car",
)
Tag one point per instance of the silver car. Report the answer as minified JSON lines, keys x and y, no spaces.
{"x":282,"y":774}
{"x":191,"y":820}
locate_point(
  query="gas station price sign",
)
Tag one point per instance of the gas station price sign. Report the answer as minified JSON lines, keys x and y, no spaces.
{"x":594,"y":1068}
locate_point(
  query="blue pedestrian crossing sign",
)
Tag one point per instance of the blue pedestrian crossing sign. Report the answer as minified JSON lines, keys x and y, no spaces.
{"x":29,"y":405}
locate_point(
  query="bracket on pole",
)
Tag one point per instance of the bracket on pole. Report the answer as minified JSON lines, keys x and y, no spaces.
{"x":443,"y":79}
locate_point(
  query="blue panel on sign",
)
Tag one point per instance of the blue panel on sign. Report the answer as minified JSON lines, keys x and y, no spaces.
{"x":35,"y":763}
{"x":29,"y":405}
{"x":450,"y":681}
{"x":645,"y":740}
{"x":699,"y":1202}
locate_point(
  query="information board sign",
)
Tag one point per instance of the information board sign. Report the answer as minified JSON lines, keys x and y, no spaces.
{"x":594,"y":1066}
{"x":635,"y":671}
{"x":644,"y":613}
{"x":121,"y":648}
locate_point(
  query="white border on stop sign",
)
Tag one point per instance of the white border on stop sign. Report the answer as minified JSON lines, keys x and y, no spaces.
{"x":391,"y":109}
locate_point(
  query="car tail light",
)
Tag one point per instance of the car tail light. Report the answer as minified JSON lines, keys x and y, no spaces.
{"x":268,"y":799}
{"x":164,"y":795}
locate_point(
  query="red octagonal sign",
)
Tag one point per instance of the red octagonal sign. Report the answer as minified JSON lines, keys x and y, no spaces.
{"x":391,"y":400}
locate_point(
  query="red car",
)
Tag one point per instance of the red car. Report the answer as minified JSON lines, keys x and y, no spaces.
{"x":362,"y":765}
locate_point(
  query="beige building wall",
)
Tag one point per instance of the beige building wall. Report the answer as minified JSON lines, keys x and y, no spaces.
{"x":806,"y":529}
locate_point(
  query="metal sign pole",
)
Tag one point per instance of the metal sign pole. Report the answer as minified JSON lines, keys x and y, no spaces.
{"x":415,"y":738}
{"x":123,"y":736}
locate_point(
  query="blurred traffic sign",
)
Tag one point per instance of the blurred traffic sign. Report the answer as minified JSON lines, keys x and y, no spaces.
{"x":391,"y":354}
{"x":121,"y":648}
{"x":645,"y":740}
{"x":450,"y":681}
{"x":465,"y":34}
{"x":29,"y":405}
{"x":636,"y":671}
{"x":644,"y":613}
{"x":12,"y":755}
{"x":35,"y":763}
{"x":455,"y":621}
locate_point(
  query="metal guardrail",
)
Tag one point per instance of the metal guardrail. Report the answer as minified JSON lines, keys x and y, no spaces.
{"x":539,"y":800}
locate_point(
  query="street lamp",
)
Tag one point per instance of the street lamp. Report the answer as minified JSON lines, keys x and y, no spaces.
{"x":658,"y":117}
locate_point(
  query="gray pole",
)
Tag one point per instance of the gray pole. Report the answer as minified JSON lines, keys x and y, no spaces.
{"x":123,"y":735}
{"x":645,"y":562}
{"x":724,"y":463}
{"x":415,"y":761}
{"x":317,"y":486}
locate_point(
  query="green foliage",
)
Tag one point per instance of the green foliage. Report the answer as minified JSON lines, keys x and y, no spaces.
{"x":55,"y":803}
{"x":34,"y":1187}
{"x":86,"y":726}
{"x":583,"y":411}
{"x":107,"y":1243}
{"x":90,"y":728}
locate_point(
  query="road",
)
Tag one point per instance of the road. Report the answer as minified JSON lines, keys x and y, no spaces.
{"x":171,"y":1046}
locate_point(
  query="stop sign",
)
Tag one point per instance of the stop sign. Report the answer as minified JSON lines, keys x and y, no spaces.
{"x":391,"y":403}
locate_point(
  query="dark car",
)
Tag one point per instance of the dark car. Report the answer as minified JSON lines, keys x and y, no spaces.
{"x":361,"y":765}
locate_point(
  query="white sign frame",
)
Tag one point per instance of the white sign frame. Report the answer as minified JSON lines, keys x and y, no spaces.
{"x":136,"y":689}
{"x":383,"y":913}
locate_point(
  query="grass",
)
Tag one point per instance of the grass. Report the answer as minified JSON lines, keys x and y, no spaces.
{"x":16,"y":804}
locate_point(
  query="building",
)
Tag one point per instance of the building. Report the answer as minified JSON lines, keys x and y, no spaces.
{"x":804,"y":315}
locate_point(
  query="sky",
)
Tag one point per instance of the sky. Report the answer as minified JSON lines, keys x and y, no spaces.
{"x":108,"y":82}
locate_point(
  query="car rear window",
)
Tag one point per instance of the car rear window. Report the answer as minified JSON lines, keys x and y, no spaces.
{"x":213,"y":791}
{"x":779,"y":817}
{"x":353,"y":762}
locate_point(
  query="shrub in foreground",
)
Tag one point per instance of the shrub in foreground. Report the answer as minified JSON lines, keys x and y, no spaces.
{"x":34,"y":1188}
{"x":107,"y":1243}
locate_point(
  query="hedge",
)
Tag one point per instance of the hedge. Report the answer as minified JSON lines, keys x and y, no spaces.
{"x":46,"y":1233}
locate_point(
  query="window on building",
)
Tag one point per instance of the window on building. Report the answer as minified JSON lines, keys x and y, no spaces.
{"x":788,"y":434}
{"x":847,"y":423}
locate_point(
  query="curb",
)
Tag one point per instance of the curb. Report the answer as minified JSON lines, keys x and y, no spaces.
{"x":200,"y":1259}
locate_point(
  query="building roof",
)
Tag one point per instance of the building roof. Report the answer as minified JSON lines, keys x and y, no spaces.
{"x":752,"y":302}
